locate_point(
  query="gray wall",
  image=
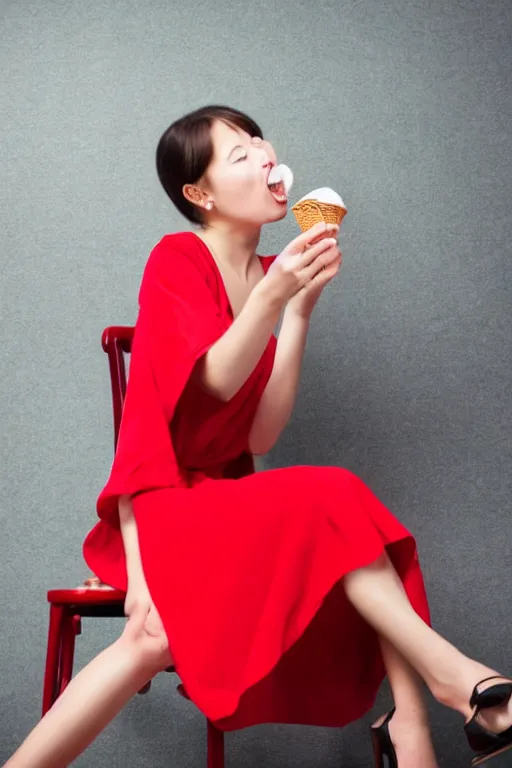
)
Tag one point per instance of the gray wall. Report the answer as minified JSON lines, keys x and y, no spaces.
{"x":405,"y":108}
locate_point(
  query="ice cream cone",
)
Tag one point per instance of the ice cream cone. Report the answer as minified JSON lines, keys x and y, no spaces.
{"x":322,"y":204}
{"x":311,"y":212}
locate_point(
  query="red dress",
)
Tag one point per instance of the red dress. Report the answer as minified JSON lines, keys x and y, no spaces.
{"x":244,"y":571}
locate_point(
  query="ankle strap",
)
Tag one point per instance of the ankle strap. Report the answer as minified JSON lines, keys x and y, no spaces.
{"x":473,"y":702}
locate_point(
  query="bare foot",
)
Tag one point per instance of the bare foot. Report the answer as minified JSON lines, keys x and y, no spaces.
{"x":412,"y":741}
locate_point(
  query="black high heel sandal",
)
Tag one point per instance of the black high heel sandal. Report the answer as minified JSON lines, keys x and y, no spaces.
{"x":494,"y":749}
{"x":382,"y":744}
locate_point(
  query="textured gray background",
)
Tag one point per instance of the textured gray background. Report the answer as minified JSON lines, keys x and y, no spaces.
{"x":405,"y":108}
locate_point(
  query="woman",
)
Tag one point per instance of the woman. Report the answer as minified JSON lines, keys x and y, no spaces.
{"x":279,"y":596}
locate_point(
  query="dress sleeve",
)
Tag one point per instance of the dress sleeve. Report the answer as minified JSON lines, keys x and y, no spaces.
{"x":179,"y":319}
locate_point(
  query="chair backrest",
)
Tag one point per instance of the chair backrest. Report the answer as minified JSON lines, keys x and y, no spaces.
{"x":116,"y":341}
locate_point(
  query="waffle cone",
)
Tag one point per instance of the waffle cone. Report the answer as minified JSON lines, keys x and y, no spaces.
{"x":311,"y":212}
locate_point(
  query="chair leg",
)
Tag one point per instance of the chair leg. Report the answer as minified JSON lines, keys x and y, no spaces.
{"x":215,"y":742}
{"x":71,"y":627}
{"x":52,"y":668}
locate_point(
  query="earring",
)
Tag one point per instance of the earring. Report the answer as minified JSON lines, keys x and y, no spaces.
{"x":209,"y":205}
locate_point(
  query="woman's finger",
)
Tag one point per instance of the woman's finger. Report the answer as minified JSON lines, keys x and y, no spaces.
{"x":311,"y":236}
{"x":323,"y":278}
{"x":321,"y":262}
{"x":327,"y":273}
{"x":336,"y":264}
{"x":332,"y":230}
{"x":333,"y":269}
{"x":318,"y":250}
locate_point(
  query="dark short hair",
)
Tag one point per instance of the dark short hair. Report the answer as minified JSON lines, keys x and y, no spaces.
{"x":185,"y":151}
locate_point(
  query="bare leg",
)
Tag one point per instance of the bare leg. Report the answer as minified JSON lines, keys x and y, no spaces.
{"x":93,"y":698}
{"x":378,"y":595}
{"x":409,"y":728}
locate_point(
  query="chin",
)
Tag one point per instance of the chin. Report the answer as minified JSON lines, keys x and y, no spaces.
{"x":277,"y":215}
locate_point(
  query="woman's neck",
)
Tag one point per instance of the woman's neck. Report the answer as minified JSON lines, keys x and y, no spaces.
{"x":234,"y":246}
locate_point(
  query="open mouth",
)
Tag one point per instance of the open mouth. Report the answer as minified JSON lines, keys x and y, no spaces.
{"x":278,"y":191}
{"x":279,"y":182}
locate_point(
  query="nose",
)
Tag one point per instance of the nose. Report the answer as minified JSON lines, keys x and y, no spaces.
{"x":267,"y":151}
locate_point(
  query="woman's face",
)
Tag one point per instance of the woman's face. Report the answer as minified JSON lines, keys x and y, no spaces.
{"x":237,"y":178}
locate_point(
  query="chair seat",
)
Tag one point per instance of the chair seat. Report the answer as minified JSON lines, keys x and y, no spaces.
{"x":91,"y":592}
{"x":85,"y":596}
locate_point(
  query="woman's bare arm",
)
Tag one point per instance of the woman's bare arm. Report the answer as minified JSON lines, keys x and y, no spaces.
{"x":130,"y":541}
{"x":276,"y":404}
{"x":278,"y":399}
{"x":227,"y":365}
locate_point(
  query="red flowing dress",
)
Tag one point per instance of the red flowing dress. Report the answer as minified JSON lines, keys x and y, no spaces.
{"x":246,"y":572}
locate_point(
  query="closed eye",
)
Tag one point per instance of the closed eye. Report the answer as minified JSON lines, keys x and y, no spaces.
{"x":237,"y":153}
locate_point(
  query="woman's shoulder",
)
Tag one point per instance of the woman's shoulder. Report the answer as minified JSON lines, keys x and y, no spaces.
{"x":181,"y":265}
{"x":177,"y":245}
{"x":178,"y":253}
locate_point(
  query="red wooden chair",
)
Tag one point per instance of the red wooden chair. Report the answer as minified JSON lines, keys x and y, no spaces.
{"x":93,"y":599}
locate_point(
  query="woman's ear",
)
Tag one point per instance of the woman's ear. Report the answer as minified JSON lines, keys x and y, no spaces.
{"x":197,"y":196}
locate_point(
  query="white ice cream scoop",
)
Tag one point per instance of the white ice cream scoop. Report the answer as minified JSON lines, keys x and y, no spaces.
{"x":281,"y":174}
{"x":324,"y":195}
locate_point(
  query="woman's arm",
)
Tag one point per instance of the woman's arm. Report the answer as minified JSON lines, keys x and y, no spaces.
{"x":131,"y":542}
{"x":227,"y":365}
{"x":138,"y":599}
{"x":278,"y":399}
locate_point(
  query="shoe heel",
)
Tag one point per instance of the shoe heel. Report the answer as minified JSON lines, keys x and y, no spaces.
{"x":383,"y":749}
{"x":377,"y":750}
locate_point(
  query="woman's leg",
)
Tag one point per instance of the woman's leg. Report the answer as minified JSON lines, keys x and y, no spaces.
{"x":93,"y":698}
{"x":409,"y":727}
{"x":378,"y":595}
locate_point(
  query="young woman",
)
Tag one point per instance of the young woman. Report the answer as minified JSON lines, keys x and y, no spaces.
{"x":280,"y":596}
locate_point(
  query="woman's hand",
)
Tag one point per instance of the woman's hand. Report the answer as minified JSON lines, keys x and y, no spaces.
{"x":301,"y":262}
{"x":303,"y":302}
{"x":141,"y":611}
{"x":138,"y":601}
